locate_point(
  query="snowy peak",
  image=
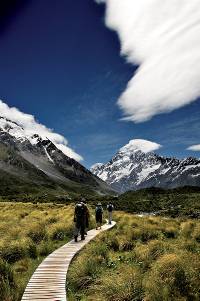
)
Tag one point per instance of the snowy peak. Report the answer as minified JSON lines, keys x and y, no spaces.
{"x":32,"y":147}
{"x":96,"y":166}
{"x":11,"y":127}
{"x":17,"y":131}
{"x":21,"y":136}
{"x":135,"y":166}
{"x":28,"y":156}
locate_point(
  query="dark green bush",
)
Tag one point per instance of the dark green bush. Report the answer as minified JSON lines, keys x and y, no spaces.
{"x":170,"y":232}
{"x":13,"y":252}
{"x":37,"y":234}
{"x":32,"y":251}
{"x":7,"y":283}
{"x":45,"y":248}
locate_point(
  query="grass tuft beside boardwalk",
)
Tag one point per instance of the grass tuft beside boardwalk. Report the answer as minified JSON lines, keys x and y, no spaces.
{"x":28,"y":233}
{"x":142,"y":258}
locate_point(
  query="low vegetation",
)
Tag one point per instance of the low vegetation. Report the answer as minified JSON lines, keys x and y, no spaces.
{"x":149,"y":258}
{"x":183,"y":201}
{"x":28,"y":233}
{"x":142,"y":258}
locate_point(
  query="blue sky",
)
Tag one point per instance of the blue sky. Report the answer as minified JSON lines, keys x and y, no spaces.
{"x":61,"y":64}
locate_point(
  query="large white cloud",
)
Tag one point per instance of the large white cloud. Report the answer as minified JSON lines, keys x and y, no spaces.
{"x":195,"y":148}
{"x":162,"y":37}
{"x":31,"y":126}
{"x":145,"y":146}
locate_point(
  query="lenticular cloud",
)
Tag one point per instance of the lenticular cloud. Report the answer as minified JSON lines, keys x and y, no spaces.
{"x":162,"y":37}
{"x":145,"y":146}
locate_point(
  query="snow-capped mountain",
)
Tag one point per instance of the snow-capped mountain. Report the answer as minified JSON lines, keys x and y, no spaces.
{"x":132,"y":168}
{"x":34,"y":159}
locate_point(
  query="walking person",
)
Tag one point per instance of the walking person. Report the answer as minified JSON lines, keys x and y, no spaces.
{"x":99,"y":216}
{"x":87,"y":216}
{"x":110,"y":208}
{"x":80,"y":221}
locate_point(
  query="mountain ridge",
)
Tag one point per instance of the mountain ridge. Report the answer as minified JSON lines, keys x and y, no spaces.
{"x":37,"y":160}
{"x":133,"y":169}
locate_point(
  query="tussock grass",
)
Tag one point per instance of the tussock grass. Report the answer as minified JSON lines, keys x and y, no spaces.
{"x":142,"y":258}
{"x":173,"y":277}
{"x":127,"y":285}
{"x":28,"y":233}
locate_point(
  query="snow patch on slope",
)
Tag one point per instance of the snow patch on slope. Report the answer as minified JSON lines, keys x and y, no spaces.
{"x":146,"y":172}
{"x":47,"y":154}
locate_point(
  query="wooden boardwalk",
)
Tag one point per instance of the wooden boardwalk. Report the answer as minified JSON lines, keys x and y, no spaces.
{"x":49,"y":280}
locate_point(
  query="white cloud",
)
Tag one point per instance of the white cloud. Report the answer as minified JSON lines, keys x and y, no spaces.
{"x":145,"y":146}
{"x":31,"y":126}
{"x":195,"y":148}
{"x":162,"y":37}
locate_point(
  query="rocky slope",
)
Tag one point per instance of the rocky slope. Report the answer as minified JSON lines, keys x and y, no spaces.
{"x":132,"y":169}
{"x":34,"y":161}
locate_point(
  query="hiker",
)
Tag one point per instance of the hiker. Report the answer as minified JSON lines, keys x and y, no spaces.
{"x":110,"y":208}
{"x":99,"y":215}
{"x":80,"y":220}
{"x":87,"y":215}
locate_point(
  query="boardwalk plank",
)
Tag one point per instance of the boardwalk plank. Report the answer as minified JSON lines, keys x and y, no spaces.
{"x":49,"y":280}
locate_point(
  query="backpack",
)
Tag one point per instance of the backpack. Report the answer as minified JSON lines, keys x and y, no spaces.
{"x":110,"y":208}
{"x":98,"y":211}
{"x":80,"y":211}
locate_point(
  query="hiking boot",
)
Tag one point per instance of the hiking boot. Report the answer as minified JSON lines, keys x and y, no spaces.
{"x":75,"y":238}
{"x":82,"y":237}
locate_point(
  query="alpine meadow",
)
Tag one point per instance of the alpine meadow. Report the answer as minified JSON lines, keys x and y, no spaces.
{"x":99,"y":150}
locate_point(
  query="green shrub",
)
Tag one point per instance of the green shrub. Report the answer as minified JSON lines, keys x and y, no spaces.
{"x":37,"y":234}
{"x":126,"y":245}
{"x":186,"y":229}
{"x":111,"y":239}
{"x":99,"y":249}
{"x":145,"y":233}
{"x":52,"y":220}
{"x":124,"y":284}
{"x":196,"y":233}
{"x":22,"y":266}
{"x":13,"y":252}
{"x":170,"y":232}
{"x":32,"y":251}
{"x":157,"y":253}
{"x":45,"y":248}
{"x":86,"y":268}
{"x":113,"y":243}
{"x":173,"y":277}
{"x":150,"y":251}
{"x":60,"y":231}
{"x":7,"y":283}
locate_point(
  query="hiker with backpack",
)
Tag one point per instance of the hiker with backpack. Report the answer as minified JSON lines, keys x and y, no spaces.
{"x":80,"y":220}
{"x":99,"y":216}
{"x":110,"y":208}
{"x":87,"y":216}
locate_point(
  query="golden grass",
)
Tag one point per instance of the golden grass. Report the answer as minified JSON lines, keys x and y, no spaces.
{"x":142,"y":258}
{"x":28,"y":232}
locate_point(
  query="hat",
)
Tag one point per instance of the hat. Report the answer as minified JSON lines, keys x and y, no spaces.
{"x":99,"y":204}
